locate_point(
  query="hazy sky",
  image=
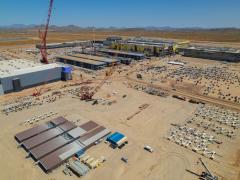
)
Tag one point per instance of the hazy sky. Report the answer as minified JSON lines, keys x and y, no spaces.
{"x":124,"y":13}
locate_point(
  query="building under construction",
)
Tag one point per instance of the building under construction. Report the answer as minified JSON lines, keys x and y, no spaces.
{"x":87,"y":61}
{"x":108,"y":61}
{"x":66,"y":44}
{"x":19,"y":74}
{"x":122,"y":54}
{"x":214,"y":53}
{"x":81,"y":62}
{"x":146,"y":46}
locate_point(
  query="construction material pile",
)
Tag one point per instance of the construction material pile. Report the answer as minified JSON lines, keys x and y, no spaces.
{"x":151,"y":90}
{"x":204,"y":129}
{"x":218,"y":81}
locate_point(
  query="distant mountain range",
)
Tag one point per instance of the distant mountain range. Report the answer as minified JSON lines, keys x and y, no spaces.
{"x":23,"y":27}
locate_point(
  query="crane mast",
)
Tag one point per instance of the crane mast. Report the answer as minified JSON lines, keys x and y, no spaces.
{"x":43,"y":36}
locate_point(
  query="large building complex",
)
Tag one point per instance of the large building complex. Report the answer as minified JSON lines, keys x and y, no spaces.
{"x":108,"y":61}
{"x":82,"y":62}
{"x":20,"y":74}
{"x":214,"y":53}
{"x":122,"y":54}
{"x":53,"y":143}
{"x":66,"y":44}
{"x":87,"y":61}
{"x":146,"y":46}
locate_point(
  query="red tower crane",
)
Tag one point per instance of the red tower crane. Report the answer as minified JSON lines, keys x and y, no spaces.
{"x":43,"y":36}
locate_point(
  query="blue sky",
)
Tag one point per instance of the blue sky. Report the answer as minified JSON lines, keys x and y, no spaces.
{"x":124,"y":13}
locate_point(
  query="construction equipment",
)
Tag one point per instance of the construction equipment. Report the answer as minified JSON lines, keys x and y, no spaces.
{"x":179,"y":97}
{"x":43,"y":47}
{"x":43,"y":36}
{"x":124,"y":159}
{"x":40,"y":91}
{"x":206,"y":175}
{"x":88,"y":95}
{"x":37,"y":92}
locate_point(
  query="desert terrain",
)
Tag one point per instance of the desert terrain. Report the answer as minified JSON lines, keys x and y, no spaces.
{"x":150,"y":127}
{"x":222,"y":37}
{"x":163,"y":125}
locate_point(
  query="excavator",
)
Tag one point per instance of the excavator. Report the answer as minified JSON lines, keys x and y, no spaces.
{"x":206,"y":175}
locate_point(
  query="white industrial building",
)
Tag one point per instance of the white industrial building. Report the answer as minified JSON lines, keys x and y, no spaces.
{"x":20,"y":74}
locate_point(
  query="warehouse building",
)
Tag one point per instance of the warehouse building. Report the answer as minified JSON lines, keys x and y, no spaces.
{"x":108,"y":61}
{"x":82,"y":62}
{"x":53,"y":143}
{"x":214,"y":53}
{"x":67,"y":44}
{"x":19,"y":74}
{"x":122,"y":54}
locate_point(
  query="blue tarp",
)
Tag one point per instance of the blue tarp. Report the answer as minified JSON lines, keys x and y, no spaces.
{"x":115,"y":137}
{"x":67,"y":69}
{"x":80,"y":153}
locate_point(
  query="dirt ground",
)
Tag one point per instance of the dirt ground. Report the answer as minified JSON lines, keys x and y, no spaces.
{"x":169,"y":161}
{"x":194,"y":76}
{"x":226,"y":38}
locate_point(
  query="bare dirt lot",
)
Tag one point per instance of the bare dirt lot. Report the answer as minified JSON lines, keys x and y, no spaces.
{"x":199,"y":76}
{"x":150,"y":127}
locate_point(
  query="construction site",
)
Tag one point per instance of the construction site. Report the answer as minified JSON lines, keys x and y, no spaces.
{"x":119,"y":108}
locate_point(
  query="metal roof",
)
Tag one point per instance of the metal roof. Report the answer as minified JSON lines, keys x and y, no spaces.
{"x":55,"y":158}
{"x":150,"y":41}
{"x":102,"y":132}
{"x":91,"y":133}
{"x":115,"y":137}
{"x":94,"y":58}
{"x":47,"y":135}
{"x":41,"y":138}
{"x":121,"y":52}
{"x":89,"y":125}
{"x":213,"y":49}
{"x":71,"y":58}
{"x":51,"y":145}
{"x":39,"y":129}
{"x":77,"y":132}
{"x":18,"y":67}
